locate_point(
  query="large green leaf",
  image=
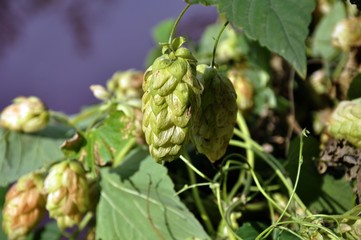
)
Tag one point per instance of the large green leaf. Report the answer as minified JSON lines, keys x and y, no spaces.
{"x":23,"y":153}
{"x":280,"y":25}
{"x":322,"y":38}
{"x":138,"y":202}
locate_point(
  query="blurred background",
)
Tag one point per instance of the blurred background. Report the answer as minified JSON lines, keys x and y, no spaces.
{"x":55,"y":49}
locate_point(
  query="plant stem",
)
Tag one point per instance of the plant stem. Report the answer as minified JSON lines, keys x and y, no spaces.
{"x":216,"y":44}
{"x":300,"y":161}
{"x":174,"y":29}
{"x":276,"y":166}
{"x":198,"y":202}
{"x":250,"y":159}
{"x":123,"y":152}
{"x":231,"y":233}
{"x":189,"y":164}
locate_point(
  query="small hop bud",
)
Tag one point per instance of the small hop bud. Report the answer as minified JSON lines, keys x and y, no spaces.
{"x":126,"y":84}
{"x":99,"y":92}
{"x":214,"y":123}
{"x":27,"y":114}
{"x":243,"y":88}
{"x":347,"y":34}
{"x":24,"y":206}
{"x":68,"y":193}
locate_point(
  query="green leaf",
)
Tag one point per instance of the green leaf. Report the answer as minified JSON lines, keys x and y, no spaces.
{"x":24,"y":153}
{"x":354,"y":89}
{"x":323,"y":34}
{"x":203,"y":2}
{"x":138,"y":202}
{"x":280,"y":25}
{"x":50,"y":231}
{"x":321,"y":193}
{"x":250,"y":231}
{"x":106,"y":141}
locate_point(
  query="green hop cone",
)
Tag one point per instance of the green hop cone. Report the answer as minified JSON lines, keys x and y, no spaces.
{"x":126,"y":84}
{"x":27,"y":114}
{"x":213,"y":128}
{"x":345,"y":122}
{"x":171,"y":97}
{"x":24,"y":206}
{"x":68,"y":193}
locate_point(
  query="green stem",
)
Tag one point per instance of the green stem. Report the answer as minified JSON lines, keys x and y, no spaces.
{"x":216,"y":44}
{"x":250,"y":159}
{"x":300,"y":161}
{"x":124,"y":151}
{"x":231,"y":233}
{"x":198,"y":202}
{"x":187,"y":187}
{"x":174,"y":29}
{"x":186,"y":161}
{"x":276,"y":166}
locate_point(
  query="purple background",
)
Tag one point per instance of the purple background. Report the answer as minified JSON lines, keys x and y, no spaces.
{"x":55,"y":49}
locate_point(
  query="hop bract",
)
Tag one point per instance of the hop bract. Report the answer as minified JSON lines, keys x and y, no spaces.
{"x":24,"y":206}
{"x":214,"y":124}
{"x":27,"y":114}
{"x":171,"y":98}
{"x":68,"y":193}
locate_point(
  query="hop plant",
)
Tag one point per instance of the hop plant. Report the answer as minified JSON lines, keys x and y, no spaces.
{"x":346,"y":121}
{"x":171,"y":98}
{"x":24,"y":206}
{"x":68,"y":193}
{"x":213,"y":127}
{"x":27,"y":114}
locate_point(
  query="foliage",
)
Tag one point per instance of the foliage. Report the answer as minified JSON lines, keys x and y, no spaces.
{"x":272,"y":180}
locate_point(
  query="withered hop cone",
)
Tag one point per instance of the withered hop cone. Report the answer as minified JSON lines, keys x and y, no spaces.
{"x":24,"y":206}
{"x":214,"y":125}
{"x":68,"y":193}
{"x":171,"y":98}
{"x":27,"y":114}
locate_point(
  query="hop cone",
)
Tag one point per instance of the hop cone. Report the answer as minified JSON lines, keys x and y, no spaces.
{"x":24,"y":206}
{"x":68,"y":193}
{"x":346,"y":122}
{"x":127,"y":84}
{"x":347,"y":34}
{"x":243,"y":88}
{"x":171,"y":97}
{"x":25,"y":114}
{"x":215,"y":122}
